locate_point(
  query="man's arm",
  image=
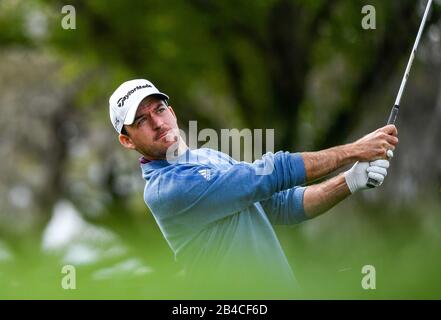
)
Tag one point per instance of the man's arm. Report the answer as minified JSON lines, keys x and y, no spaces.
{"x":298,"y":204}
{"x":321,"y":163}
{"x":196,"y":195}
{"x":321,"y":197}
{"x":371,"y":147}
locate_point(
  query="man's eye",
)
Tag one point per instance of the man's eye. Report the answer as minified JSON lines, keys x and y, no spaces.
{"x":161,"y":109}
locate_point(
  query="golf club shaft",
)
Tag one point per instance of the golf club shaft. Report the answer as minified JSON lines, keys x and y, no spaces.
{"x":412,"y":55}
{"x":396,"y":108}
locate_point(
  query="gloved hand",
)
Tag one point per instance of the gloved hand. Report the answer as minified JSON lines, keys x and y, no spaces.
{"x":357,"y":177}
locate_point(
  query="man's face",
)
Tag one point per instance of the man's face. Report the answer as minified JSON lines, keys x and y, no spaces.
{"x":154,"y":130}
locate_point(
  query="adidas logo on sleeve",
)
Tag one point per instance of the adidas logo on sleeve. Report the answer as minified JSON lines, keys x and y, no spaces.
{"x":206,"y":173}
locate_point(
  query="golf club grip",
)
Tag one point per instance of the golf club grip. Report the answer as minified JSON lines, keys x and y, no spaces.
{"x":392,"y":118}
{"x":372,"y":183}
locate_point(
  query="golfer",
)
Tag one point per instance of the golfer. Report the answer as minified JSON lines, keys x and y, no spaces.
{"x":217,"y":214}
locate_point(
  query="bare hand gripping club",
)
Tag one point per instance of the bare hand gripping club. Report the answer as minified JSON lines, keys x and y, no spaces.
{"x":396,"y":108}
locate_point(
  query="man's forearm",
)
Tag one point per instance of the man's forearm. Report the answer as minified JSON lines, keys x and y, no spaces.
{"x":321,"y":163}
{"x":323,"y":196}
{"x":371,"y":147}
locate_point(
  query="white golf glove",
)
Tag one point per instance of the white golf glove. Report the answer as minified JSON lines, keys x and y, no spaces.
{"x":357,"y":177}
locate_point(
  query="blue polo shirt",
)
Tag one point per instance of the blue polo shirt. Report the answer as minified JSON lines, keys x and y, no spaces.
{"x":217,"y":214}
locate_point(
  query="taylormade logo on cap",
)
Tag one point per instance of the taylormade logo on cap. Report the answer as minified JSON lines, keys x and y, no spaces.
{"x":124,"y":102}
{"x":121,"y":100}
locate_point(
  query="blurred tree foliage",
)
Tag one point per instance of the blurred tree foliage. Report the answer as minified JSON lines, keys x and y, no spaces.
{"x":259,"y":55}
{"x":306,"y":68}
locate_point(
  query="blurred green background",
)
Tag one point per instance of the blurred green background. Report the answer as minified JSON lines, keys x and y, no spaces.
{"x":70,"y":194}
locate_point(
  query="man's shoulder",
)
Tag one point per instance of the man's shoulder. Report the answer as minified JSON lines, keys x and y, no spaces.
{"x":176,"y":186}
{"x":197,"y":163}
{"x":210,"y":156}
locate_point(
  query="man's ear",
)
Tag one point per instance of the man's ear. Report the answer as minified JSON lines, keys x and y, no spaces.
{"x":172,"y":111}
{"x":126,"y":142}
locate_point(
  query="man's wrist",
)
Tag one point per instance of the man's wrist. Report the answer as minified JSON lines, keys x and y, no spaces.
{"x":320,"y":197}
{"x":348,"y":154}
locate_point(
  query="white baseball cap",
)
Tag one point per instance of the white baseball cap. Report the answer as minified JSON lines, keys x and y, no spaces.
{"x":124,"y":102}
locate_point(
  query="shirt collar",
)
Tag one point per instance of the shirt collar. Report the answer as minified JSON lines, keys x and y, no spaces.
{"x":143,"y":160}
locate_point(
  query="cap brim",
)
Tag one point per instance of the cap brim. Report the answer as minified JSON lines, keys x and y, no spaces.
{"x":130,"y":116}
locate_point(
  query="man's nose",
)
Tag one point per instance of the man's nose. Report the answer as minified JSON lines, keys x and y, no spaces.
{"x":156,"y":122}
